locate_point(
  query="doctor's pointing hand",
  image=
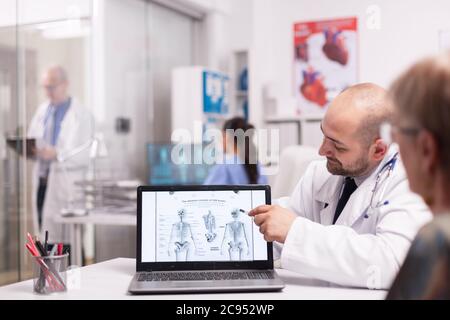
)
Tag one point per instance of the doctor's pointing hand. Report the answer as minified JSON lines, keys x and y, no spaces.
{"x":273,"y":221}
{"x":351,"y":218}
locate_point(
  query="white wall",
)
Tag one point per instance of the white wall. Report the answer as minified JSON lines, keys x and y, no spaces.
{"x":408,"y":30}
{"x":239,"y":24}
{"x":33,"y":11}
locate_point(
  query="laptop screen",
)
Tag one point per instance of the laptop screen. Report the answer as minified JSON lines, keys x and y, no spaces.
{"x":201,"y":226}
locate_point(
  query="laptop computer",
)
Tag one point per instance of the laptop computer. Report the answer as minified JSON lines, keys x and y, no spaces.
{"x":201,"y":239}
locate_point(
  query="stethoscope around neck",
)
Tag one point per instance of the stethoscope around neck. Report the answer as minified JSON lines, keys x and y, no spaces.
{"x":381,"y":183}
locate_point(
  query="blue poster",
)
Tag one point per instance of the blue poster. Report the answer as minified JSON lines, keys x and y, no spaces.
{"x":215,"y":92}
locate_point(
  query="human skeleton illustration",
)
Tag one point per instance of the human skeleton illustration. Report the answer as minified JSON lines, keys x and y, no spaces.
{"x":210,"y":225}
{"x":181,"y":238}
{"x":235,"y":238}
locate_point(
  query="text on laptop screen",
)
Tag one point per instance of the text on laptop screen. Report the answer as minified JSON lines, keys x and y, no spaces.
{"x":201,"y":226}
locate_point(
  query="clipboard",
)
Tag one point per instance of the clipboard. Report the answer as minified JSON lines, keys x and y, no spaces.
{"x":17,"y":144}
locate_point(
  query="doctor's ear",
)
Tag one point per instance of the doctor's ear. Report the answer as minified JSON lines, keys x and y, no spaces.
{"x":378,"y":149}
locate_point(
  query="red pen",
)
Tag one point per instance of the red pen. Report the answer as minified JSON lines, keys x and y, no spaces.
{"x":31,"y":242}
{"x":31,"y":249}
{"x":60,"y":249}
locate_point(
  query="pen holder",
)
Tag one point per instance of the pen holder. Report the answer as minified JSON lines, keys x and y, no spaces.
{"x":50,"y":274}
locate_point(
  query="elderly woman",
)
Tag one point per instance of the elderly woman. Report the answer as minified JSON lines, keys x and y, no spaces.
{"x":421,"y":98}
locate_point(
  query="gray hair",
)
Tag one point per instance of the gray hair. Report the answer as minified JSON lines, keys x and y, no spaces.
{"x":422,"y":96}
{"x":60,"y":71}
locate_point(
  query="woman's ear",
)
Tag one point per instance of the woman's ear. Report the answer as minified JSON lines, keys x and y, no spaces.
{"x":428,"y":148}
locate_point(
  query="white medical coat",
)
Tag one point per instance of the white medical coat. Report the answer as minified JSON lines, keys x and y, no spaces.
{"x":359,"y":250}
{"x":77,"y":128}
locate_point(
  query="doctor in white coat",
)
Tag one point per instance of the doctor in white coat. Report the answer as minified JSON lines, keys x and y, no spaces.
{"x":352,"y":217}
{"x":61,"y":126}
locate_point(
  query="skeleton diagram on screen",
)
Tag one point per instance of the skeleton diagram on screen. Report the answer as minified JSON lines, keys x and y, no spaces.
{"x":235,"y":238}
{"x":210,"y":225}
{"x":181,"y":239}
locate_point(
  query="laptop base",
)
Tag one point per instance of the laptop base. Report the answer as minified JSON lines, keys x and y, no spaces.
{"x":205,"y":286}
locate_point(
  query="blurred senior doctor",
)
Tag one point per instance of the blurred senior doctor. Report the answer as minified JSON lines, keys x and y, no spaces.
{"x":61,"y":126}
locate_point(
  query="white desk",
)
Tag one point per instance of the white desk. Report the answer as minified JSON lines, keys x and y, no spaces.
{"x":76,"y":223}
{"x":110,"y":280}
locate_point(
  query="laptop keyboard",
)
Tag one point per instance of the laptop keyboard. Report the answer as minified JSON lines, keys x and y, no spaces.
{"x":210,"y":275}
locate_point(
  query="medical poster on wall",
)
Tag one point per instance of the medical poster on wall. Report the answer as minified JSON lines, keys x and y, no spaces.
{"x":215,"y":92}
{"x":215,"y":100}
{"x":325,"y":62}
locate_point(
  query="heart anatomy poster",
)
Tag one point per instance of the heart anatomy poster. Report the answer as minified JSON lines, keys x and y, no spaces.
{"x":325,"y":62}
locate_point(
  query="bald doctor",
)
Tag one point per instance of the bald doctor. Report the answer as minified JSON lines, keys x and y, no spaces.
{"x":352,"y":217}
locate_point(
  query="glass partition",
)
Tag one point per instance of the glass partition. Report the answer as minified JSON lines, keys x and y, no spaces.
{"x":118,"y":56}
{"x":9,"y":160}
{"x":34,"y":35}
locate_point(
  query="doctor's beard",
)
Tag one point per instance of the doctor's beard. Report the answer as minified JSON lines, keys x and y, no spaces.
{"x":356,"y":169}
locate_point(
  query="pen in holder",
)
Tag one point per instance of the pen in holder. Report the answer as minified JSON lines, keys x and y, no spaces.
{"x":50,"y":273}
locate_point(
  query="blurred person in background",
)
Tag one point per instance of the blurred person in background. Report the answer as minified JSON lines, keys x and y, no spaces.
{"x":60,"y":126}
{"x":239,"y":160}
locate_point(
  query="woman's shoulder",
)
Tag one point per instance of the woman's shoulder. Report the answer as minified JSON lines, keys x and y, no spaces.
{"x":432,"y":243}
{"x":436,"y":229}
{"x":424,"y":271}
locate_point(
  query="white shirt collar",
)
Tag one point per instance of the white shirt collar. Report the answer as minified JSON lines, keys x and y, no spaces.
{"x":392,"y":150}
{"x":359,"y":180}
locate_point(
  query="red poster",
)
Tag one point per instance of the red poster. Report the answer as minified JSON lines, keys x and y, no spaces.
{"x":325,"y":61}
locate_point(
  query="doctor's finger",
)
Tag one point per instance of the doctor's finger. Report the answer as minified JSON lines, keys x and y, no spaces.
{"x":260,"y":219}
{"x":263,"y":228}
{"x":260,"y":209}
